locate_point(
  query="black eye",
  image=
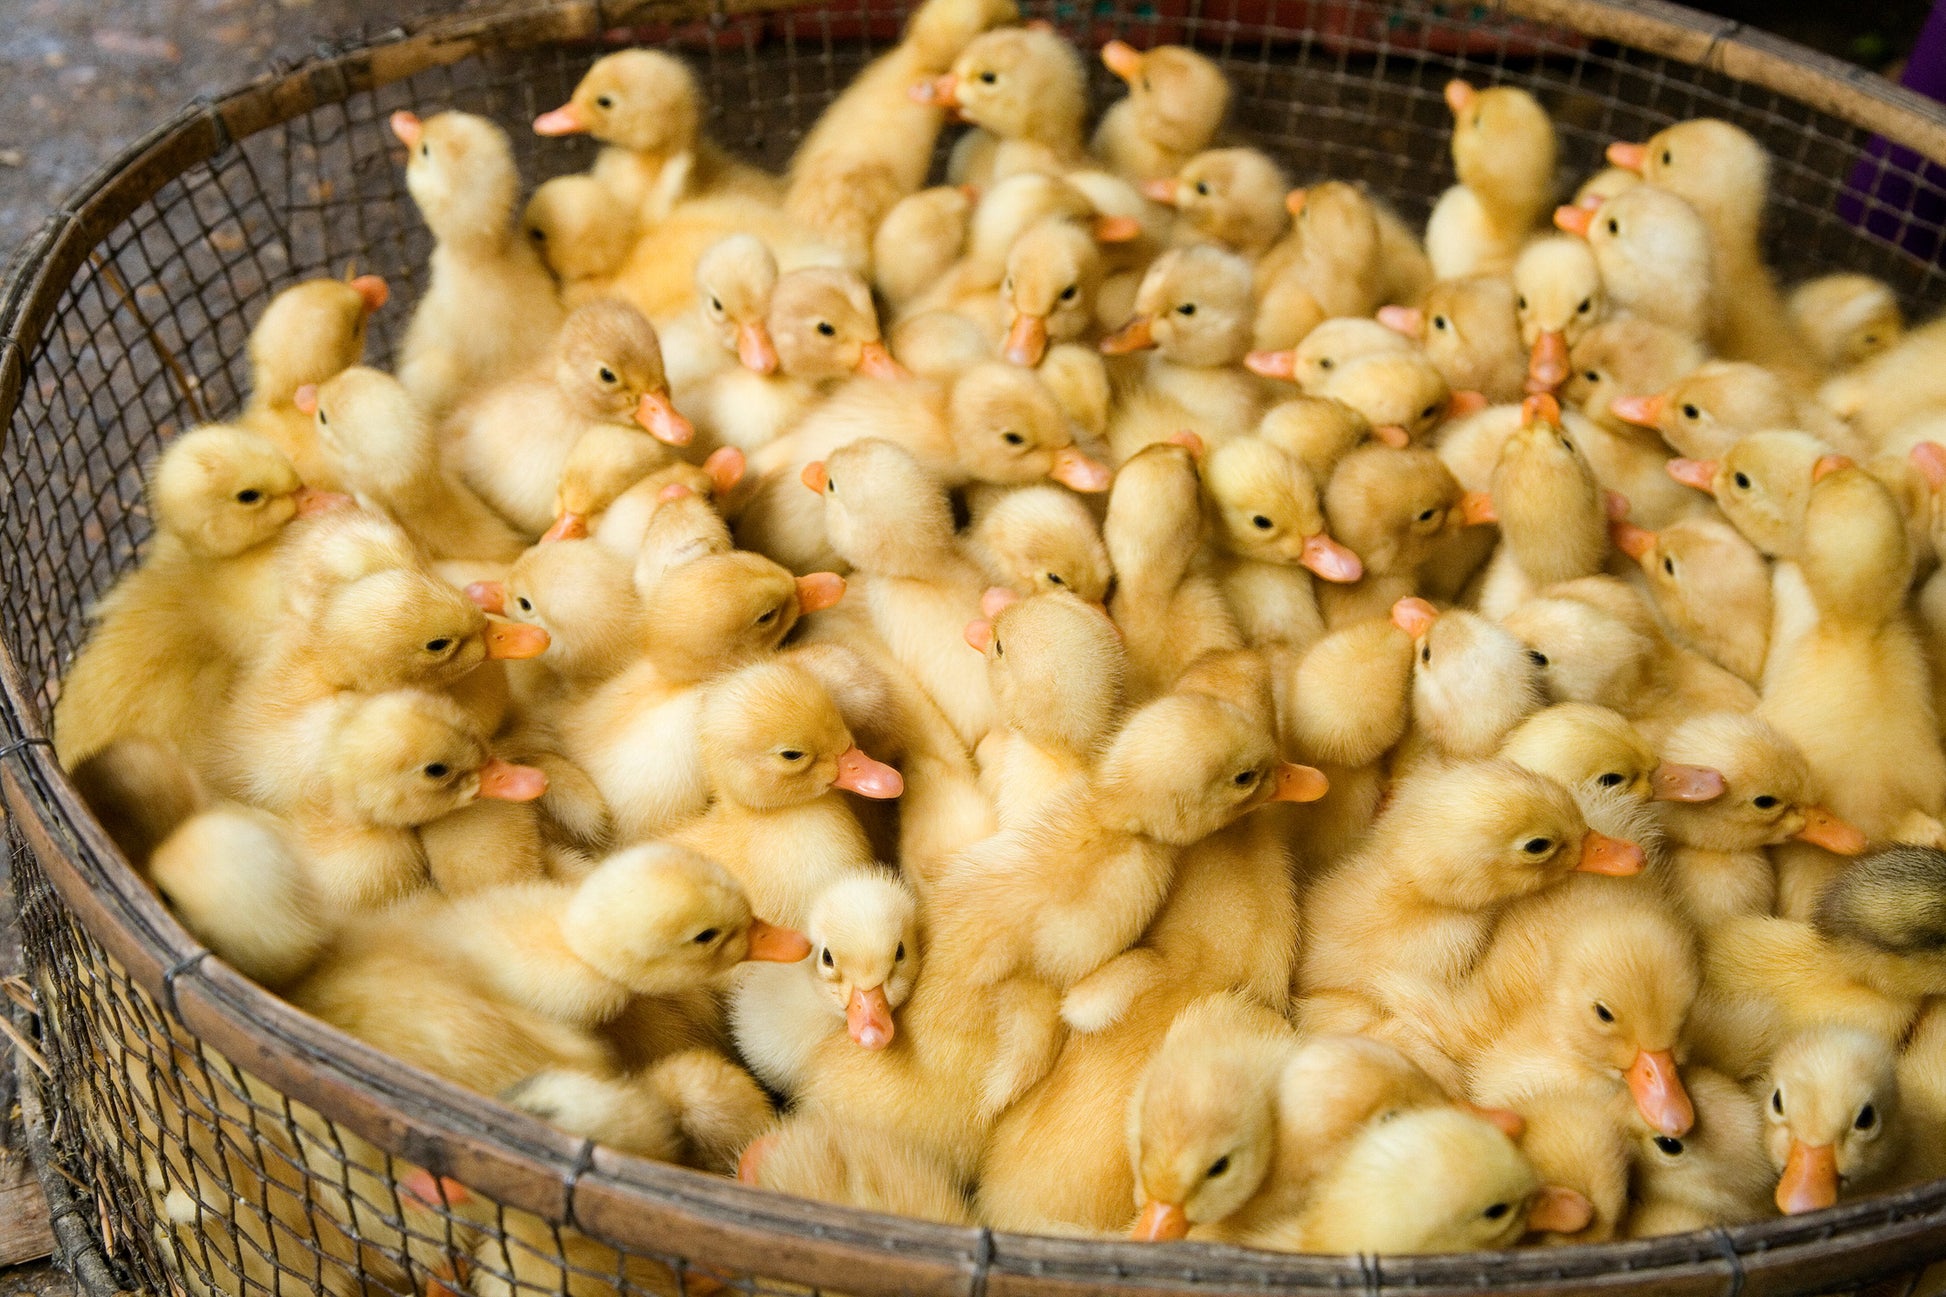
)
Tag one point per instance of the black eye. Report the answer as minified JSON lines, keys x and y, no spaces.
{"x":826,"y":959}
{"x":1867,"y":1118}
{"x":1612,"y":780}
{"x":1669,"y":566}
{"x":439,"y":645}
{"x":715,"y":303}
{"x":1326,"y":362}
{"x":1218,"y":1167}
{"x":1425,"y":654}
{"x":1689,"y":411}
{"x":1054,"y":578}
{"x":1537,"y":657}
{"x":249,"y":496}
{"x":1260,"y":522}
{"x":606,"y":374}
{"x":706,"y":936}
{"x":1777,"y":1101}
{"x":1497,"y":1211}
{"x":997,"y":650}
{"x":1763,"y":801}
{"x":324,"y":420}
{"x":1439,"y":322}
{"x":1429,"y":411}
{"x":1743,"y":481}
{"x":1665,"y":157}
{"x":791,"y":754}
{"x":1587,"y":304}
{"x":425,"y":150}
{"x":1244,"y":778}
{"x":988,"y":78}
{"x":1591,"y":375}
{"x":1537,"y":846}
{"x":1202,"y":187}
{"x":1614,"y":226}
{"x":1187,"y":308}
{"x":1426,"y":515}
{"x":437,"y":770}
{"x":604,"y":101}
{"x":524,"y":605}
{"x":1603,"y":1012}
{"x":1669,"y":1144}
{"x":1071,"y":292}
{"x":537,"y":235}
{"x":899,"y":953}
{"x":1520,"y":303}
{"x":767,"y":616}
{"x":1013,"y":438}
{"x":827,"y":329}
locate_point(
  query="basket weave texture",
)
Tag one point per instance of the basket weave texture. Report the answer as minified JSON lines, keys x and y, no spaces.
{"x":234,"y":1145}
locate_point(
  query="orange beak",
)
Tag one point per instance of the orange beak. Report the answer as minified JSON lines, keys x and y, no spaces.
{"x":1391,"y":434}
{"x":569,"y":526}
{"x":1160,"y":1222}
{"x":1163,"y":191}
{"x":1297,"y":783}
{"x":941,"y":91}
{"x":1272,"y":364}
{"x":1629,"y":157}
{"x":1540,"y":407}
{"x":1189,"y":441}
{"x":754,"y":349}
{"x":725,"y":467}
{"x":565,"y":120}
{"x":674,"y":491}
{"x":1659,"y":1096}
{"x":1465,"y":401}
{"x":659,"y":419}
{"x":858,"y":773}
{"x":868,"y":1017}
{"x":490,"y":595}
{"x":1408,"y":320}
{"x":1827,"y":465}
{"x":513,"y":641}
{"x":1547,"y":364}
{"x":1137,"y":335}
{"x":997,"y":599}
{"x":1123,"y":59}
{"x":408,"y":128}
{"x":1330,"y":560}
{"x":1078,"y":472}
{"x":311,"y":502}
{"x":1929,"y":457}
{"x":1810,"y":1179}
{"x":1115,"y":229}
{"x":305,"y":399}
{"x":819,"y":591}
{"x":1673,"y":782}
{"x":1823,"y":829}
{"x":1460,"y":95}
{"x":1505,"y":1120}
{"x":1615,"y":857}
{"x":373,"y":290}
{"x":1634,"y":541}
{"x":815,"y":477}
{"x":1699,"y":473}
{"x":1294,"y":201}
{"x":978,"y":634}
{"x":874,"y":361}
{"x":774,"y":945}
{"x":1642,"y":411}
{"x":1476,"y":508}
{"x":750,"y":1165}
{"x":1026,"y":340}
{"x":503,"y":781}
{"x":1557,"y":1209}
{"x":1414,"y":615}
{"x":1574,"y":220}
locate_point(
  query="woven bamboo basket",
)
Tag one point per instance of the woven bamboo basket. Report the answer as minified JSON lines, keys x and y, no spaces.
{"x":199,"y":1136}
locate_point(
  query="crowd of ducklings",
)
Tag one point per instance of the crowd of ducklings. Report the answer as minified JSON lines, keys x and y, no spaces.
{"x":1110,"y":695}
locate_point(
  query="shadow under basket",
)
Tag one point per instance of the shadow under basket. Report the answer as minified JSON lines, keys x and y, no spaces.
{"x":211,"y":1139}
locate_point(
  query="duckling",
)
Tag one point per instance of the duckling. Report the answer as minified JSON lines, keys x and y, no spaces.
{"x":581,"y":232}
{"x":1193,"y":309}
{"x":1233,"y":197}
{"x":1895,"y":387}
{"x":1325,"y":350}
{"x":1040,"y":539}
{"x":243,"y":887}
{"x":1832,"y":1122}
{"x":1551,"y":512}
{"x":309,"y":332}
{"x":1270,"y":536}
{"x":1597,"y":753}
{"x":1048,"y":295}
{"x":1176,"y":102}
{"x":1717,"y":1174}
{"x":735,"y":278}
{"x":919,"y":240}
{"x":382,"y":446}
{"x":1704,"y":414}
{"x":1471,"y":333}
{"x":1503,"y":151}
{"x":1627,"y":356}
{"x":1576,"y":1137}
{"x":775,"y":750}
{"x":1725,"y":175}
{"x":1329,"y":265}
{"x":1653,"y":252}
{"x":1391,"y":508}
{"x":695,"y":1107}
{"x":1318,"y":430}
{"x":1604,"y":185}
{"x":1710,"y":586}
{"x":815,"y":1156}
{"x":1472,"y":682}
{"x":1849,"y":318}
{"x":1558,"y":296}
{"x":1025,"y":88}
{"x":489,"y":306}
{"x":645,"y":108}
{"x":1400,"y":394}
{"x":512,"y":443}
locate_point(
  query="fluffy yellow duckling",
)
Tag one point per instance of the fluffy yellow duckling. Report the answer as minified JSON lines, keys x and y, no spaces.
{"x":1026,"y":90}
{"x":383,"y":448}
{"x":734,"y":280}
{"x":169,"y":637}
{"x":489,"y":306}
{"x":1330,"y":264}
{"x":1832,"y":1122}
{"x":1704,"y":414}
{"x":582,"y":233}
{"x":1471,"y":333}
{"x":512,"y":443}
{"x":309,"y":332}
{"x":1558,"y":297}
{"x":1472,"y":681}
{"x":695,"y":1107}
{"x":1596,"y":752}
{"x":1400,"y":393}
{"x":1193,"y":310}
{"x":1233,"y":197}
{"x":243,"y":887}
{"x":644,"y":106}
{"x":1326,"y":350}
{"x":1039,"y":539}
{"x":1048,"y":294}
{"x":1892,"y":388}
{"x":1710,"y":586}
{"x":1653,"y":252}
{"x":1270,"y":537}
{"x":1627,"y":356}
{"x":814,"y":1156}
{"x":919,"y":240}
{"x":1176,"y":102}
{"x":1503,"y":151}
{"x":1849,"y":318}
{"x":1391,"y":508}
{"x":1716,"y":1174}
{"x":1550,"y":508}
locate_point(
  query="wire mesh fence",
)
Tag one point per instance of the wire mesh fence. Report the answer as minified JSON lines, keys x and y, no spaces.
{"x":332,"y":1170}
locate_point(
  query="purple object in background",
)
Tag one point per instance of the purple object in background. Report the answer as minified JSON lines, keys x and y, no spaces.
{"x":1894,"y":193}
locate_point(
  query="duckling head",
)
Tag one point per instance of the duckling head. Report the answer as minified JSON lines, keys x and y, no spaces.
{"x":1155,"y":513}
{"x":1591,"y":748}
{"x":579,"y":227}
{"x":1019,"y":83}
{"x":1048,"y":295}
{"x":1717,"y":1170}
{"x":1472,"y":682}
{"x":641,"y":100}
{"x":1188,"y":764}
{"x":1232,"y":196}
{"x":1503,"y":142}
{"x":864,"y":935}
{"x":1706,"y":411}
{"x":1558,"y":297}
{"x":1652,"y":248}
{"x":221,"y":491}
{"x":1336,"y":224}
{"x":660,"y":919}
{"x":1009,"y":429}
{"x":1765,"y":782}
{"x":1621,"y":357}
{"x":309,"y":332}
{"x":1055,"y":665}
{"x":372,"y":428}
{"x":1266,"y":508}
{"x":1763,"y":486}
{"x":408,"y":757}
{"x":402,"y":627}
{"x":1832,"y":1118}
{"x":1718,"y":168}
{"x":1316,"y":429}
{"x":1848,"y":318}
{"x":1399,"y":391}
{"x":583,"y":596}
{"x":1195,"y":304}
{"x":1701,"y":566}
{"x":1392,"y":507}
{"x":1041,"y":539}
{"x":734,"y":282}
{"x":459,"y":169}
{"x":825,"y":326}
{"x":609,"y":366}
{"x":772,"y":737}
{"x":1326,"y":350}
{"x":722,"y":610}
{"x":1463,"y":324}
{"x":1545,"y":495}
{"x":1179,"y":97}
{"x":883,"y":510}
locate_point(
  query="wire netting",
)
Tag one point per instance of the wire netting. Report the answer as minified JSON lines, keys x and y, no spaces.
{"x":209,"y":1180}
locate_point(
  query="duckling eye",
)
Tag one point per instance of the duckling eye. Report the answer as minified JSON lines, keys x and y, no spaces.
{"x":250,"y":496}
{"x":1587,"y":304}
{"x":716,"y":304}
{"x":1743,"y":481}
{"x":1260,"y":522}
{"x":706,"y":936}
{"x":997,"y":650}
{"x":1069,"y":293}
{"x":1218,"y":1167}
{"x":1054,"y":578}
{"x":767,"y":616}
{"x":1426,"y":515}
{"x":1520,"y":303}
{"x":826,"y":959}
{"x":1537,"y":657}
{"x":1497,"y":1211}
{"x":1537,"y":846}
{"x":1013,"y":438}
{"x":425,"y":150}
{"x":1202,"y":187}
{"x":439,"y":645}
{"x":1689,"y":411}
{"x":1603,"y":1012}
{"x":1763,"y":801}
{"x":1669,"y":1144}
{"x":1669,"y":566}
{"x":1429,"y":411}
{"x":989,"y":78}
{"x":791,"y":754}
{"x":537,"y":235}
{"x":605,"y":374}
{"x":1777,"y":1101}
{"x":525,"y":606}
{"x":1611,"y":780}
{"x":1614,"y":226}
{"x":437,"y":770}
{"x":1244,"y":778}
{"x":1867,"y":1118}
{"x":1326,"y":362}
{"x":1665,"y":157}
{"x":1439,"y":322}
{"x":1187,"y":308}
{"x":899,"y":954}
{"x":827,"y":329}
{"x":604,"y":101}
{"x":1425,"y":654}
{"x":324,"y":419}
{"x":1593,"y":376}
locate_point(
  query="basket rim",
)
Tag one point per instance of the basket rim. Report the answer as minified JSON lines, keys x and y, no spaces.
{"x":632,"y":1202}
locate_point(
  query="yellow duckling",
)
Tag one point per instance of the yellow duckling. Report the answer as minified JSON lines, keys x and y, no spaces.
{"x":1895,"y":387}
{"x":1026,"y":91}
{"x":1327,"y":349}
{"x":1472,"y":682}
{"x":919,"y":241}
{"x":1550,"y":508}
{"x":1832,"y":1122}
{"x":1471,"y":333}
{"x":1176,"y":102}
{"x":1717,"y":1174}
{"x":1622,"y":357}
{"x":1703,"y":414}
{"x":1653,"y":252}
{"x":1270,"y":538}
{"x":1039,"y":539}
{"x":814,"y":1156}
{"x":1849,"y":318}
{"x":1329,"y":265}
{"x":308,"y":333}
{"x":735,"y":278}
{"x":1558,"y":297}
{"x":1319,"y":430}
{"x":582,"y":233}
{"x":1233,"y":197}
{"x":1710,"y":586}
{"x":1391,"y":508}
{"x":1503,"y":150}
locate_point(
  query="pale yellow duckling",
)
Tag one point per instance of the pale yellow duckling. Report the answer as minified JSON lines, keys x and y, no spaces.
{"x":489,"y":307}
{"x":1705,"y":413}
{"x":1716,"y":1174}
{"x":1895,"y":387}
{"x":734,"y":281}
{"x":1710,"y":586}
{"x":815,"y":1156}
{"x":1653,"y":252}
{"x":1472,"y":681}
{"x":1604,"y":185}
{"x":1400,"y":393}
{"x":1392,"y":508}
{"x":1329,"y":265}
{"x":1558,"y":297}
{"x":308,"y":333}
{"x":243,"y":887}
{"x":1176,"y":102}
{"x":1849,"y":318}
{"x":1832,"y":1122}
{"x":582,"y":233}
{"x":1319,"y":430}
{"x":1627,"y":356}
{"x":1597,"y":753}
{"x":1503,"y":151}
{"x":1040,"y":539}
{"x":694,"y":1107}
{"x":1048,"y":295}
{"x":1025,"y":88}
{"x":1233,"y":197}
{"x":1549,"y":506}
{"x":1193,"y":309}
{"x":1270,"y":537}
{"x":919,"y":240}
{"x":1471,"y":333}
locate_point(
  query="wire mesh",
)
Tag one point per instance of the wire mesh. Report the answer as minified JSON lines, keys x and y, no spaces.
{"x":207,"y":1179}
